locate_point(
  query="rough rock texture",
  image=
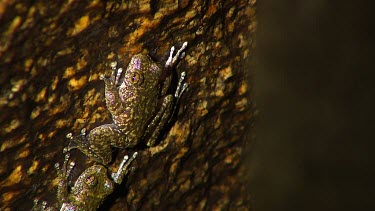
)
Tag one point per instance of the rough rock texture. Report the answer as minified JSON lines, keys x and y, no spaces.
{"x":51,"y":56}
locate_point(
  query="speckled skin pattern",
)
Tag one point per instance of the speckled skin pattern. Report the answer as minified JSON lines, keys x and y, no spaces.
{"x":90,"y":189}
{"x":140,"y":108}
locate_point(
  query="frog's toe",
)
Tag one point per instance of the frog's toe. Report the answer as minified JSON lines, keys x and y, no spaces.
{"x":113,"y":65}
{"x":57,"y":166}
{"x":39,"y":205}
{"x":170,"y":58}
{"x":102,"y":77}
{"x":181,"y":87}
{"x":71,"y":146}
{"x":118,"y":75}
{"x":75,"y":141}
{"x":83,"y":131}
{"x":179,"y":54}
{"x":69,"y":168}
{"x":184,"y":88}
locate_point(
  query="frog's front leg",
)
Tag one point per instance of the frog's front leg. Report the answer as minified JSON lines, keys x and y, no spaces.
{"x":166,"y":112}
{"x":169,"y":106}
{"x":63,"y":175}
{"x":97,"y":144}
{"x":114,"y":103}
{"x":62,"y":189}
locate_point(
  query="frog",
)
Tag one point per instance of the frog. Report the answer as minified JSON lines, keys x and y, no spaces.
{"x":139,"y":105}
{"x":90,"y":189}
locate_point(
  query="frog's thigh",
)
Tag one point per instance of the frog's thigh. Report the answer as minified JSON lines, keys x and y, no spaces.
{"x":160,"y":119}
{"x":101,"y":138}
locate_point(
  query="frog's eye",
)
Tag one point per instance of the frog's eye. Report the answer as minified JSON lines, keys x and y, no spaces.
{"x":91,"y":181}
{"x":136,"y":78}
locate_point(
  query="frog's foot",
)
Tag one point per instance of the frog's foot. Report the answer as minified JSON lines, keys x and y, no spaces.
{"x":63,"y":176}
{"x":115,"y":75}
{"x":181,"y":86}
{"x":42,"y":206}
{"x":172,"y":60}
{"x":83,"y":144}
{"x":123,"y":169}
{"x":96,"y":144}
{"x":39,"y":205}
{"x":80,"y":142}
{"x":64,"y":172}
{"x":76,"y":141}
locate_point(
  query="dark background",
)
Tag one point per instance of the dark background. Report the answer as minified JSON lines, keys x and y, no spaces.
{"x":314,"y":93}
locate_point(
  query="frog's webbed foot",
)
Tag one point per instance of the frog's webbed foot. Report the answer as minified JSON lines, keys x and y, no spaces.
{"x":41,"y":206}
{"x":169,"y":103}
{"x":97,"y":143}
{"x":75,"y":141}
{"x":181,"y":86}
{"x":172,"y":60}
{"x":62,"y":189}
{"x":64,"y":172}
{"x":124,"y":168}
{"x":85,"y":144}
{"x":63,"y":176}
{"x":114,"y":79}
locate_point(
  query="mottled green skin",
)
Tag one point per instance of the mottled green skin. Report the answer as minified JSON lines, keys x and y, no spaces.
{"x":140,"y":107}
{"x":135,"y":110}
{"x":135,"y":103}
{"x":90,"y":189}
{"x":88,"y":192}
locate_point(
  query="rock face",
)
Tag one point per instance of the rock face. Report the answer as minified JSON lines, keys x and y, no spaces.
{"x":51,"y":57}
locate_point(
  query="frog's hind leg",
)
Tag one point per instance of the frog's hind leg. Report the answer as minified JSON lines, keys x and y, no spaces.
{"x":159,"y":120}
{"x":97,"y":144}
{"x":168,"y":107}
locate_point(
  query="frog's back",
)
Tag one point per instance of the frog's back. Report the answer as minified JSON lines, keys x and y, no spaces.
{"x":140,"y":92}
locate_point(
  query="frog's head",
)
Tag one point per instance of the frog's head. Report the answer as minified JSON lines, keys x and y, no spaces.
{"x":93,"y":186}
{"x":142,"y":74}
